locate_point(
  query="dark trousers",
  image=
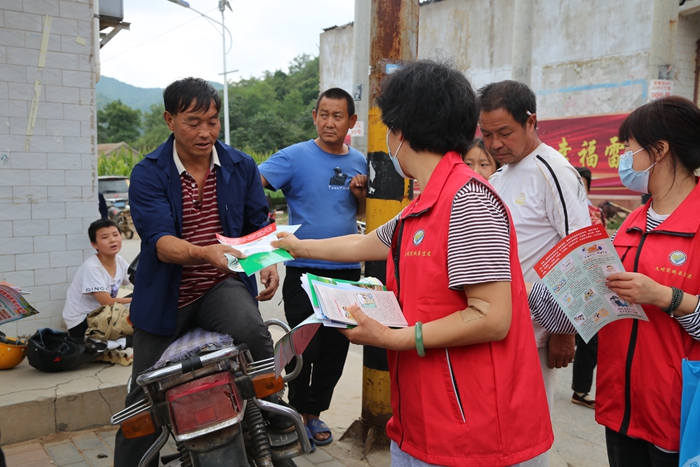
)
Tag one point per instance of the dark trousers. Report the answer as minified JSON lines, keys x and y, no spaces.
{"x":624,"y":451}
{"x":78,"y":332}
{"x":226,"y":308}
{"x":585,"y":361}
{"x":324,"y":358}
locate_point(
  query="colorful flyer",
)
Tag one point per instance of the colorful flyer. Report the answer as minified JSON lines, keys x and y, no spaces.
{"x":256,"y":246}
{"x":575,"y":272}
{"x":13,"y":305}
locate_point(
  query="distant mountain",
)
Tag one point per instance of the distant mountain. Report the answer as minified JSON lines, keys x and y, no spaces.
{"x":110,"y":89}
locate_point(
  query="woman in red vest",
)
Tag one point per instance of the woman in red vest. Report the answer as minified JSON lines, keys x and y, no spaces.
{"x":638,"y":392}
{"x":466,"y":386}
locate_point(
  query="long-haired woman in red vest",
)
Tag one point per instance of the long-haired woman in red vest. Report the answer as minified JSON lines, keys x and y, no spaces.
{"x":638,"y":392}
{"x":466,"y":385}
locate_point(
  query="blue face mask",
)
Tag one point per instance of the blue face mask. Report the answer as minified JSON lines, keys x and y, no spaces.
{"x":632,"y":179}
{"x":394,"y":159}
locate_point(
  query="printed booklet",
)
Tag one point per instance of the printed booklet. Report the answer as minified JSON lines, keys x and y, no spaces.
{"x":575,"y":271}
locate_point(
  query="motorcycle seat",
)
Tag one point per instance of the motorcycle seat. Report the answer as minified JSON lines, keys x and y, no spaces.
{"x":191,"y":343}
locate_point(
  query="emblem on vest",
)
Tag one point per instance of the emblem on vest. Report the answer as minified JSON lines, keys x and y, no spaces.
{"x":418,"y":237}
{"x":520,"y":199}
{"x":677,"y":258}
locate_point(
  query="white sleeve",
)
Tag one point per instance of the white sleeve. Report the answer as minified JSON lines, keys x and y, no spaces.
{"x":125,"y":265}
{"x":93,"y":279}
{"x":566,"y":202}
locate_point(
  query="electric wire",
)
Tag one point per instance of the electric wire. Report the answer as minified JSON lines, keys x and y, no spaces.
{"x":159,"y":35}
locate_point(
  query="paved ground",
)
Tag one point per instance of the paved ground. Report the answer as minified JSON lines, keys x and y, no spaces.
{"x":579,"y":440}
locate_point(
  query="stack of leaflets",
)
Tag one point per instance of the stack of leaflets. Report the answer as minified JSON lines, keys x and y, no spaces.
{"x":332,"y":299}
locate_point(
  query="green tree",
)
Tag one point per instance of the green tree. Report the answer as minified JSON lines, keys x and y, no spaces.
{"x":120,"y":163}
{"x":274,"y":111}
{"x":118,"y":122}
{"x":155,"y":130}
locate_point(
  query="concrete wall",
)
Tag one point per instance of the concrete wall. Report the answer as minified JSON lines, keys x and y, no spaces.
{"x":476,"y":35}
{"x":48,"y":162}
{"x":688,"y":35}
{"x":336,"y":58}
{"x":588,"y":57}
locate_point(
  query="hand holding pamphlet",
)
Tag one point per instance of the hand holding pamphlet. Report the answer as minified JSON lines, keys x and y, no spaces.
{"x":575,"y":273}
{"x":256,"y":246}
{"x":331,"y":300}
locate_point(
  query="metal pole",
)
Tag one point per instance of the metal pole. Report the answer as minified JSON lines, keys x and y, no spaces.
{"x":360,"y":75}
{"x":227,"y":129}
{"x":521,"y":59}
{"x":394,"y":38}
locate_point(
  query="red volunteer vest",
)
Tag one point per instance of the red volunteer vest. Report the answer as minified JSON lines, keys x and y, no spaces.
{"x":639,"y":381}
{"x":477,"y":405}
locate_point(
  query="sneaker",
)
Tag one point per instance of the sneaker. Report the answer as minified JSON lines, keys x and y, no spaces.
{"x":583,"y":399}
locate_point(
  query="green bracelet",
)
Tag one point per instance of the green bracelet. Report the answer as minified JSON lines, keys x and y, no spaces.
{"x":419,"y":339}
{"x":676,"y":299}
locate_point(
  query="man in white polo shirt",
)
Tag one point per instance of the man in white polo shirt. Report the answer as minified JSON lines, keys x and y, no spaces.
{"x":544,"y":194}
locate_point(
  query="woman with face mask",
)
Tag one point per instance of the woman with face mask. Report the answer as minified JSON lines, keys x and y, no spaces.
{"x":639,"y":383}
{"x":466,"y":385}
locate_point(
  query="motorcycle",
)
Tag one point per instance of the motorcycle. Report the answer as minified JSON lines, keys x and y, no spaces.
{"x":126,"y":225}
{"x":212,"y":404}
{"x":120,"y":213}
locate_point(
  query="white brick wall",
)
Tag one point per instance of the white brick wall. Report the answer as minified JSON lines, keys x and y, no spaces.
{"x":47,"y":178}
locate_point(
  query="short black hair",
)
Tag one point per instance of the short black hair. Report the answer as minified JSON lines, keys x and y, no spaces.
{"x":178,"y":96}
{"x":100,"y":224}
{"x":586,"y":175}
{"x":337,"y":93}
{"x":517,"y":98}
{"x":673,"y":119}
{"x":432,"y":104}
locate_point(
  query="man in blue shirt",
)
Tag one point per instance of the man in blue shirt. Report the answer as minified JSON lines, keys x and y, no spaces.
{"x":325,"y":184}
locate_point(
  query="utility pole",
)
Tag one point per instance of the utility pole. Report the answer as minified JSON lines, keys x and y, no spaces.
{"x":393,"y":38}
{"x":360,"y":75}
{"x":227,"y":127}
{"x":521,"y":56}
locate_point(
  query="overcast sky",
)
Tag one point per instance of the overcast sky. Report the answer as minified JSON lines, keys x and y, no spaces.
{"x":167,"y":41}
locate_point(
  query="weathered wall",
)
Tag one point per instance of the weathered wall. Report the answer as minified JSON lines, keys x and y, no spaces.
{"x":588,"y":57}
{"x":688,"y":35}
{"x":475,"y":34}
{"x":48,"y":163}
{"x":336,"y":58}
